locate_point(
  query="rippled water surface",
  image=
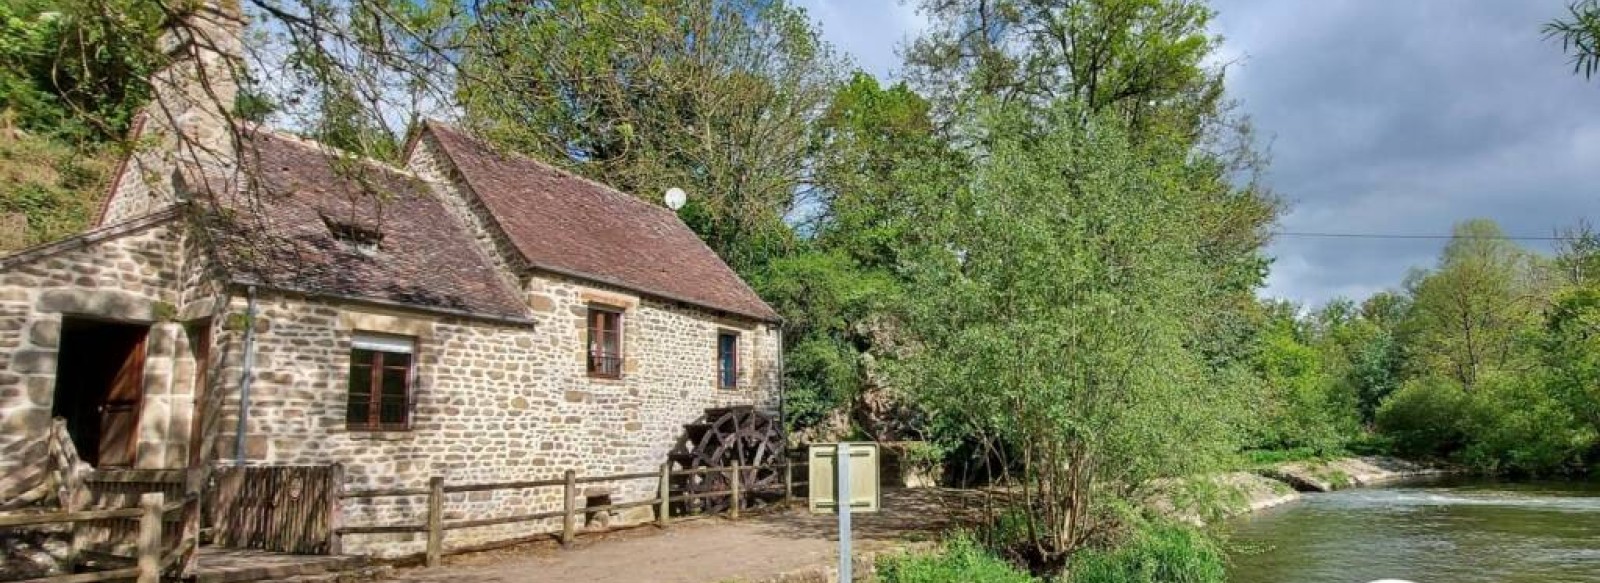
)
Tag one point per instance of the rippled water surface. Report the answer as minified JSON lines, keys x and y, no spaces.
{"x":1461,"y":532}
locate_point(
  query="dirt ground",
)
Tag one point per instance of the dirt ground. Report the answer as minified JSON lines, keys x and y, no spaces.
{"x":714,"y":549}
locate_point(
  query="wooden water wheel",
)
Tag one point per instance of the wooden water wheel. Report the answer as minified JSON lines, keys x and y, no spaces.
{"x":726,"y":435}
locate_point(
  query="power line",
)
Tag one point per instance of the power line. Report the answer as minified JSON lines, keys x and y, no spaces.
{"x":1315,"y":235}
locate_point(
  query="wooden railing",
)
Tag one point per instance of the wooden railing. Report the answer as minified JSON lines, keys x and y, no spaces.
{"x":150,"y":559}
{"x":113,"y":489}
{"x":435,"y":526}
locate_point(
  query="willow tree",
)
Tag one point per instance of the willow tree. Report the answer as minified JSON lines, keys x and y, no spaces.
{"x":712,"y":96}
{"x":1579,"y":33}
{"x":1052,"y":312}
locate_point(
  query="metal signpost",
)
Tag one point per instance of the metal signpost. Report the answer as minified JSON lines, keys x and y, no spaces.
{"x":843,"y":507}
{"x":844,"y":480}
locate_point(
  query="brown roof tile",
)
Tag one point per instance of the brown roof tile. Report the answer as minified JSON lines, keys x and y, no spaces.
{"x":564,"y":223}
{"x":280,"y":235}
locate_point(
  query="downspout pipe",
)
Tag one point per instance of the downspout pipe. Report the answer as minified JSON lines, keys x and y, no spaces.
{"x":246,"y":375}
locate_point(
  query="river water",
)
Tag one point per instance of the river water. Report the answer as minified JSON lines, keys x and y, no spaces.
{"x":1460,"y":531}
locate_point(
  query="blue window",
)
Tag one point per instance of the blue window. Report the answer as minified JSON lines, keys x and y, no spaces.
{"x":728,"y":360}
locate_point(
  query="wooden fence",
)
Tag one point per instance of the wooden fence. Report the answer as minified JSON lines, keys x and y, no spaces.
{"x":286,"y":509}
{"x":122,"y":489}
{"x":154,"y":553}
{"x":435,"y":526}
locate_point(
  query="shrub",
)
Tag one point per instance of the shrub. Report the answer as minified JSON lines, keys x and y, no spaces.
{"x":1518,"y":427}
{"x":1504,"y":425}
{"x":1155,"y":554}
{"x":962,"y":559}
{"x":1425,"y":418}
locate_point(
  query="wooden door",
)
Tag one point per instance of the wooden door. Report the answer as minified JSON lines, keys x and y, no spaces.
{"x":200,"y":347}
{"x":119,"y":413}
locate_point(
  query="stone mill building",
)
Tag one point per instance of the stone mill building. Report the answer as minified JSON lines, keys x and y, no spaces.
{"x":250,"y":297}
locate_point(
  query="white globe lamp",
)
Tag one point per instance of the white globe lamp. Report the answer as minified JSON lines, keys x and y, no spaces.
{"x":675,"y":198}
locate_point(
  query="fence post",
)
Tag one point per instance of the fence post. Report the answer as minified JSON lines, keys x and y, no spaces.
{"x":435,"y":520}
{"x":569,"y":519}
{"x":334,"y":502}
{"x":194,"y":483}
{"x":664,"y":513}
{"x":150,"y":537}
{"x":733,"y":511}
{"x":788,"y":478}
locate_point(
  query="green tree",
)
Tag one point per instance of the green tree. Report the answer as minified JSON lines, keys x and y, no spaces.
{"x":871,"y":145}
{"x":1143,"y":59}
{"x":1051,"y":312}
{"x":77,"y":70}
{"x":1468,"y":313}
{"x":72,"y":75}
{"x":1309,"y":402}
{"x":1572,"y":351}
{"x":713,"y":96}
{"x":1149,"y":66}
{"x":875,"y":153}
{"x":1580,"y":35}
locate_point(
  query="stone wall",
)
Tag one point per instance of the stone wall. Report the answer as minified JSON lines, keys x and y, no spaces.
{"x":127,"y":274}
{"x":493,"y":402}
{"x":428,"y":160}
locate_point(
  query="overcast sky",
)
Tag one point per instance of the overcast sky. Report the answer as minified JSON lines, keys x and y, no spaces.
{"x":1382,"y":116}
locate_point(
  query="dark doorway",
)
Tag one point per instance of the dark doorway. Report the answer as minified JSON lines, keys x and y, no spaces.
{"x":99,"y":388}
{"x":200,"y":347}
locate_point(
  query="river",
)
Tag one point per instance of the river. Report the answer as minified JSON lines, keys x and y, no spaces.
{"x":1457,"y":531}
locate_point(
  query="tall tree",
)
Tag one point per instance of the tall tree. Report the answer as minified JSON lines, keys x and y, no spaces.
{"x":1146,"y":65}
{"x":874,"y":153}
{"x":1142,"y":59}
{"x":713,"y":96}
{"x":1051,"y":313}
{"x":1467,"y":313}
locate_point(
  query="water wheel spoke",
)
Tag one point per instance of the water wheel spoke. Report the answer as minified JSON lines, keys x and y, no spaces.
{"x":722,"y":438}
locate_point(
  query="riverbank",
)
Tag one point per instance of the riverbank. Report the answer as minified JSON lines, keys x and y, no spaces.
{"x":1230,"y":494}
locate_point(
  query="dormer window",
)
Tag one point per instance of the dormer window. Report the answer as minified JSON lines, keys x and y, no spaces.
{"x":361,"y":238}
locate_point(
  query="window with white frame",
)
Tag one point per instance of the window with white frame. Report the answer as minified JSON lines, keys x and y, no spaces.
{"x":382,"y":375}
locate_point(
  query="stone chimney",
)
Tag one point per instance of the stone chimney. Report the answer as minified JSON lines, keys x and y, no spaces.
{"x":188,"y":124}
{"x":195,"y":92}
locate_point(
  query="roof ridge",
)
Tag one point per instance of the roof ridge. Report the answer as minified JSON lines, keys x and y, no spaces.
{"x":324,"y":148}
{"x":92,"y":236}
{"x":608,"y":189}
{"x":572,"y":192}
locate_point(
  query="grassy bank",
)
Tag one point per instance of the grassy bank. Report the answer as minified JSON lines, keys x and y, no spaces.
{"x":1154,"y":553}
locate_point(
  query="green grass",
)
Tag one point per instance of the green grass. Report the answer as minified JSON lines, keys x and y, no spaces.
{"x":1154,"y":553}
{"x":962,"y":559}
{"x":1157,"y":554}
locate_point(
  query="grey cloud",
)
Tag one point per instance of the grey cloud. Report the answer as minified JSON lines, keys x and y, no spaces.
{"x":1406,"y":117}
{"x":1384,"y":116}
